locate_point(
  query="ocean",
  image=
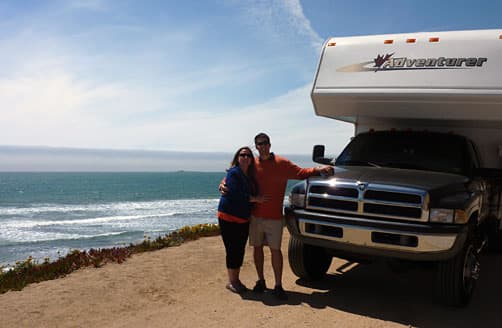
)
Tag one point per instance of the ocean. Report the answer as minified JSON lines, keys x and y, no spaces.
{"x":45,"y":215}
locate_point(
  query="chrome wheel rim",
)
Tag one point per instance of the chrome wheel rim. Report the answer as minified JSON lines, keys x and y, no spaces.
{"x":471,"y":269}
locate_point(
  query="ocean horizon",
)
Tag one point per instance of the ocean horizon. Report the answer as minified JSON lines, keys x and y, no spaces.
{"x":59,"y":159}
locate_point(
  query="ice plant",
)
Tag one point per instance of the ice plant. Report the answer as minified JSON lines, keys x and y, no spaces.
{"x":30,"y":271}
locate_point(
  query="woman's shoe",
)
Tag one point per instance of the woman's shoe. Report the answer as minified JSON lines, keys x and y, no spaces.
{"x":237,"y":287}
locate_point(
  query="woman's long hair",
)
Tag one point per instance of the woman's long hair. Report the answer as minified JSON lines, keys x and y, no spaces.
{"x":251,"y":174}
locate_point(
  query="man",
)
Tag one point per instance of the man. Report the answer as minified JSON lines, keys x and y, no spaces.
{"x":266,"y":227}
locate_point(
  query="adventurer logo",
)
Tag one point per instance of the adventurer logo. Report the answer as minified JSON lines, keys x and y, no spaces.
{"x":389,"y":63}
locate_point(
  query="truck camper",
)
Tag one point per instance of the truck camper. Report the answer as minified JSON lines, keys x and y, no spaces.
{"x":421,"y":180}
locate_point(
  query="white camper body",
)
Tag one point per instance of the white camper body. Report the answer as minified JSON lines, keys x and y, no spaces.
{"x":435,"y":81}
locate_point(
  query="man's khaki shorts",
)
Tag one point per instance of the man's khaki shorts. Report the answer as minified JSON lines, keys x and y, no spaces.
{"x":265,"y":232}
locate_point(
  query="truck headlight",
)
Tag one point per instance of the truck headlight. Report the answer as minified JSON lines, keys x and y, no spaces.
{"x":297,"y":195}
{"x":446,"y":215}
{"x":441,"y":215}
{"x":297,"y":200}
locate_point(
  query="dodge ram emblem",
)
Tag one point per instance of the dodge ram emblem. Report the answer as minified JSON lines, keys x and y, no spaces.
{"x":362,"y":185}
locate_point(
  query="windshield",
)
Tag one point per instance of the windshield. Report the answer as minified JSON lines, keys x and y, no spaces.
{"x":408,"y":150}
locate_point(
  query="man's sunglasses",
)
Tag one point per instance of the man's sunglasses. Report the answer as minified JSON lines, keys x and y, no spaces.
{"x":262,"y":143}
{"x":246,"y":155}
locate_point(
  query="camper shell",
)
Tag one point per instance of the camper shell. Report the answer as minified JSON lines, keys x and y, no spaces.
{"x":421,"y":179}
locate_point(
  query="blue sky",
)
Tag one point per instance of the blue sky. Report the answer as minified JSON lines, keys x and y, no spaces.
{"x":187,"y":75}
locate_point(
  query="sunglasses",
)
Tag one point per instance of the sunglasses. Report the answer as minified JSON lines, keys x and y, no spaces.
{"x":262,"y":143}
{"x":246,"y":155}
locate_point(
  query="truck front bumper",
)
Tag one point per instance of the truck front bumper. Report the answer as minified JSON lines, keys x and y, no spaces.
{"x":353,"y":236}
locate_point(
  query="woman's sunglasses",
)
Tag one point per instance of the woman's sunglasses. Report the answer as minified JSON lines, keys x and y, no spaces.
{"x":246,"y":155}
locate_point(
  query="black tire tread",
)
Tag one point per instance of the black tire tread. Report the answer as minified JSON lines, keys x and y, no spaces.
{"x":306,"y":261}
{"x":450,"y":279}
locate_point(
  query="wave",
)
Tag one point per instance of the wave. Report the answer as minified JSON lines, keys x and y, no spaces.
{"x":82,"y":222}
{"x":53,"y":239}
{"x":117,"y":206}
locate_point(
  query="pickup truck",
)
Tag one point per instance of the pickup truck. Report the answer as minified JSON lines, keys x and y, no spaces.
{"x":408,"y":188}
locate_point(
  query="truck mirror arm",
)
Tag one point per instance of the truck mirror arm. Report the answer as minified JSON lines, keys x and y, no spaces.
{"x":318,"y":156}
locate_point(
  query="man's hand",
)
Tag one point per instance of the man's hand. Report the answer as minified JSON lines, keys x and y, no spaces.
{"x":258,"y":199}
{"x":325,"y":171}
{"x":223,"y":188}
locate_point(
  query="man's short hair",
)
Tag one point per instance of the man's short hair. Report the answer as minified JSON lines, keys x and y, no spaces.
{"x":261,"y":135}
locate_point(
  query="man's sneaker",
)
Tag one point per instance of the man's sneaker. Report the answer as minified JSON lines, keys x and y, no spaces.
{"x":279,"y":293}
{"x":260,"y":286}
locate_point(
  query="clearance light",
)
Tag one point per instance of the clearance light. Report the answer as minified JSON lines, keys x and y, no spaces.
{"x":411,"y":40}
{"x":443,"y":215}
{"x":388,"y":42}
{"x":461,"y":216}
{"x":331,"y":44}
{"x":435,"y":39}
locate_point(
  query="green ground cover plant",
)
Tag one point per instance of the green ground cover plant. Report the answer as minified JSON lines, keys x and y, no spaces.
{"x":29,"y":271}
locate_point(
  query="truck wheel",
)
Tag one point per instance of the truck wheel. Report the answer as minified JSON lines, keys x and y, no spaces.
{"x":306,"y":261}
{"x":457,"y":277}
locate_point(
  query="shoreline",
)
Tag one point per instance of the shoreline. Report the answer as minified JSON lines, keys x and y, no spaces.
{"x":29,"y":271}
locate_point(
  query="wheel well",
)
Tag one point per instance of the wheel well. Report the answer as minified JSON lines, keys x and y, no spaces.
{"x":473,"y":219}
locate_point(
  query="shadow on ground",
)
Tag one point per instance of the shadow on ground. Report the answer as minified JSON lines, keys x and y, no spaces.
{"x":409,"y":298}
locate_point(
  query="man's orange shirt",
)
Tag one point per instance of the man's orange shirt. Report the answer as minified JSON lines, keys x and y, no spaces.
{"x":272,"y":176}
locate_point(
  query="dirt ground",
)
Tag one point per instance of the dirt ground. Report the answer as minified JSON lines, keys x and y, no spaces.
{"x":184,"y":287}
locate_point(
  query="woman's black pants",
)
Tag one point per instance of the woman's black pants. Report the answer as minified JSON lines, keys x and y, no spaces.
{"x":234,"y":237}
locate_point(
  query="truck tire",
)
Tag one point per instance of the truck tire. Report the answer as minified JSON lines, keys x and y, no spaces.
{"x":306,"y":261}
{"x":457,"y":277}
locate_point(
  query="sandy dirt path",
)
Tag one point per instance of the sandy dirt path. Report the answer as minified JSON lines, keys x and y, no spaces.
{"x":184,"y":287}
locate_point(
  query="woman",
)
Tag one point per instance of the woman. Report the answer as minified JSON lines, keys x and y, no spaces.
{"x":234,"y":210}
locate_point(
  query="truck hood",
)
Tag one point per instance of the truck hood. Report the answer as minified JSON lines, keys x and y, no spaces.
{"x":425,"y":180}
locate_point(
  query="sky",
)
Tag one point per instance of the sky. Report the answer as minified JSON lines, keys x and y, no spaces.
{"x":185,"y":76}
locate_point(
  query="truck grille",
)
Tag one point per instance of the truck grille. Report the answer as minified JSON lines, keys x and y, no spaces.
{"x":373,"y":200}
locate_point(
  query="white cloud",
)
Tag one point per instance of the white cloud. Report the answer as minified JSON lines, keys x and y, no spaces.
{"x":301,"y":23}
{"x":35,"y":100}
{"x":96,"y":5}
{"x":288,"y":119}
{"x":59,"y":94}
{"x":282,"y":19}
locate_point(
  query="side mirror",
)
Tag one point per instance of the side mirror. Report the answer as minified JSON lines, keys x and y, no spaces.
{"x":318,"y":155}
